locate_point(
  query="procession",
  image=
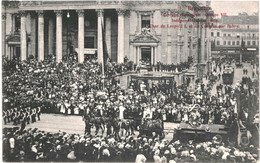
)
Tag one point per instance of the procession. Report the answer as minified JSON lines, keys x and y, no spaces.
{"x":121,"y":112}
{"x":96,"y":82}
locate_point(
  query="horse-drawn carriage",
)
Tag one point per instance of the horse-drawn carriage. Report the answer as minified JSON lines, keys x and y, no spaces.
{"x":194,"y":129}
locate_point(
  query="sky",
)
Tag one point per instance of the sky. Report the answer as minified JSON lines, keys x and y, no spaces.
{"x":234,"y":7}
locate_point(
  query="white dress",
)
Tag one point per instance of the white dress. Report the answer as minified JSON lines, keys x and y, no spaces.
{"x":62,"y":109}
{"x":121,"y":112}
{"x":76,"y":110}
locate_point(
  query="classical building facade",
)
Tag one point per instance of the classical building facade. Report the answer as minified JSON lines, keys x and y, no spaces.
{"x":118,"y":28}
{"x":227,"y":40}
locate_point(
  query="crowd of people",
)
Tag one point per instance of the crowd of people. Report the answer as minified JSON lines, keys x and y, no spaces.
{"x":36,"y":145}
{"x":162,"y":67}
{"x":69,"y":87}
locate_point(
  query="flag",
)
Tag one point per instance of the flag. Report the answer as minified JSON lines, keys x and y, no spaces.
{"x":105,"y":52}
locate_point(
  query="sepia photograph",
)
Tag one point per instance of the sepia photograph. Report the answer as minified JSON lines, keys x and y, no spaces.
{"x":139,"y":81}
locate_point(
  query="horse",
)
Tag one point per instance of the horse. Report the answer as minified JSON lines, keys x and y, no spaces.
{"x":147,"y":128}
{"x":99,"y":123}
{"x":127,"y":125}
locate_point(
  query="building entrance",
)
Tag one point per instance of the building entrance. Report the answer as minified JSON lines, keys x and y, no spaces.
{"x":146,"y":55}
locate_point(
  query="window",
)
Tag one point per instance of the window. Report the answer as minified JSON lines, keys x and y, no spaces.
{"x":253,"y":42}
{"x":146,"y":21}
{"x":253,"y":35}
{"x":238,"y":35}
{"x":248,"y":27}
{"x":218,"y":34}
{"x":248,"y":42}
{"x":249,"y":35}
{"x":212,"y":33}
{"x":228,"y":42}
{"x":229,"y":35}
{"x":224,"y":42}
{"x":224,"y":35}
{"x":17,"y":23}
{"x":238,"y":42}
{"x":233,"y":42}
{"x":89,"y":42}
{"x":218,"y":43}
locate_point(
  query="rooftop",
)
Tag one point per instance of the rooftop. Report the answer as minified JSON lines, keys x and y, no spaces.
{"x":240,"y":19}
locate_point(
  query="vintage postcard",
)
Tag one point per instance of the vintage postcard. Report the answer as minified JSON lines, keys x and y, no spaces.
{"x":130,"y":81}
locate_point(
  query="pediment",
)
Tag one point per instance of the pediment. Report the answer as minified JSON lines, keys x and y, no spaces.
{"x":13,"y":38}
{"x":145,"y":38}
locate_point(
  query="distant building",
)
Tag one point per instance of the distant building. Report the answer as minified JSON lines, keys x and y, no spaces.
{"x":228,"y":39}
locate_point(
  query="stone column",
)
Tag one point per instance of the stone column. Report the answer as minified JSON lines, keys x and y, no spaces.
{"x":108,"y":35}
{"x":137,"y":55}
{"x":152,"y":22}
{"x":58,"y":35}
{"x":100,"y":13}
{"x":152,"y":53}
{"x":138,"y":23}
{"x":40,"y":36}
{"x":202,"y":51}
{"x":80,"y":36}
{"x":120,"y":47}
{"x":33,"y":35}
{"x":23,"y":36}
{"x":3,"y":34}
{"x":134,"y":54}
{"x":50,"y":36}
{"x":11,"y":53}
{"x":131,"y":52}
{"x":155,"y":55}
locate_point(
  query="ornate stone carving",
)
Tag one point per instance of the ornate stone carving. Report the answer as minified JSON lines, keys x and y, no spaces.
{"x":100,"y":12}
{"x":30,"y":3}
{"x":127,"y":13}
{"x":58,"y":12}
{"x":121,"y":12}
{"x":40,"y":12}
{"x":80,"y":12}
{"x":164,"y":12}
{"x":4,"y":17}
{"x":11,"y":4}
{"x":22,"y":13}
{"x":174,"y":11}
{"x":145,"y":38}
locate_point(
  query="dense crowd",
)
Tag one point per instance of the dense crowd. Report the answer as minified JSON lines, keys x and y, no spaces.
{"x":162,"y":67}
{"x":32,"y":87}
{"x":35,"y":145}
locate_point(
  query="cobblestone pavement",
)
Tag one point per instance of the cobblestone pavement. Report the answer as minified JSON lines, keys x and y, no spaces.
{"x":74,"y":124}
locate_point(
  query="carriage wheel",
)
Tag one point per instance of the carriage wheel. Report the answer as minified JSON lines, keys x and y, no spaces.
{"x":219,"y":138}
{"x":244,"y":141}
{"x":230,"y":142}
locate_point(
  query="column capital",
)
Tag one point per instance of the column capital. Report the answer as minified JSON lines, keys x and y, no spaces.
{"x":121,"y":12}
{"x":100,"y":12}
{"x":80,"y":12}
{"x":152,"y":12}
{"x":3,"y":17}
{"x":137,"y":13}
{"x":40,"y":12}
{"x":22,"y":13}
{"x":174,"y":11}
{"x":58,"y":12}
{"x":164,"y":11}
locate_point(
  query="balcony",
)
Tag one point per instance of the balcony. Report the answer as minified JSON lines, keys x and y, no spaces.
{"x":87,"y":50}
